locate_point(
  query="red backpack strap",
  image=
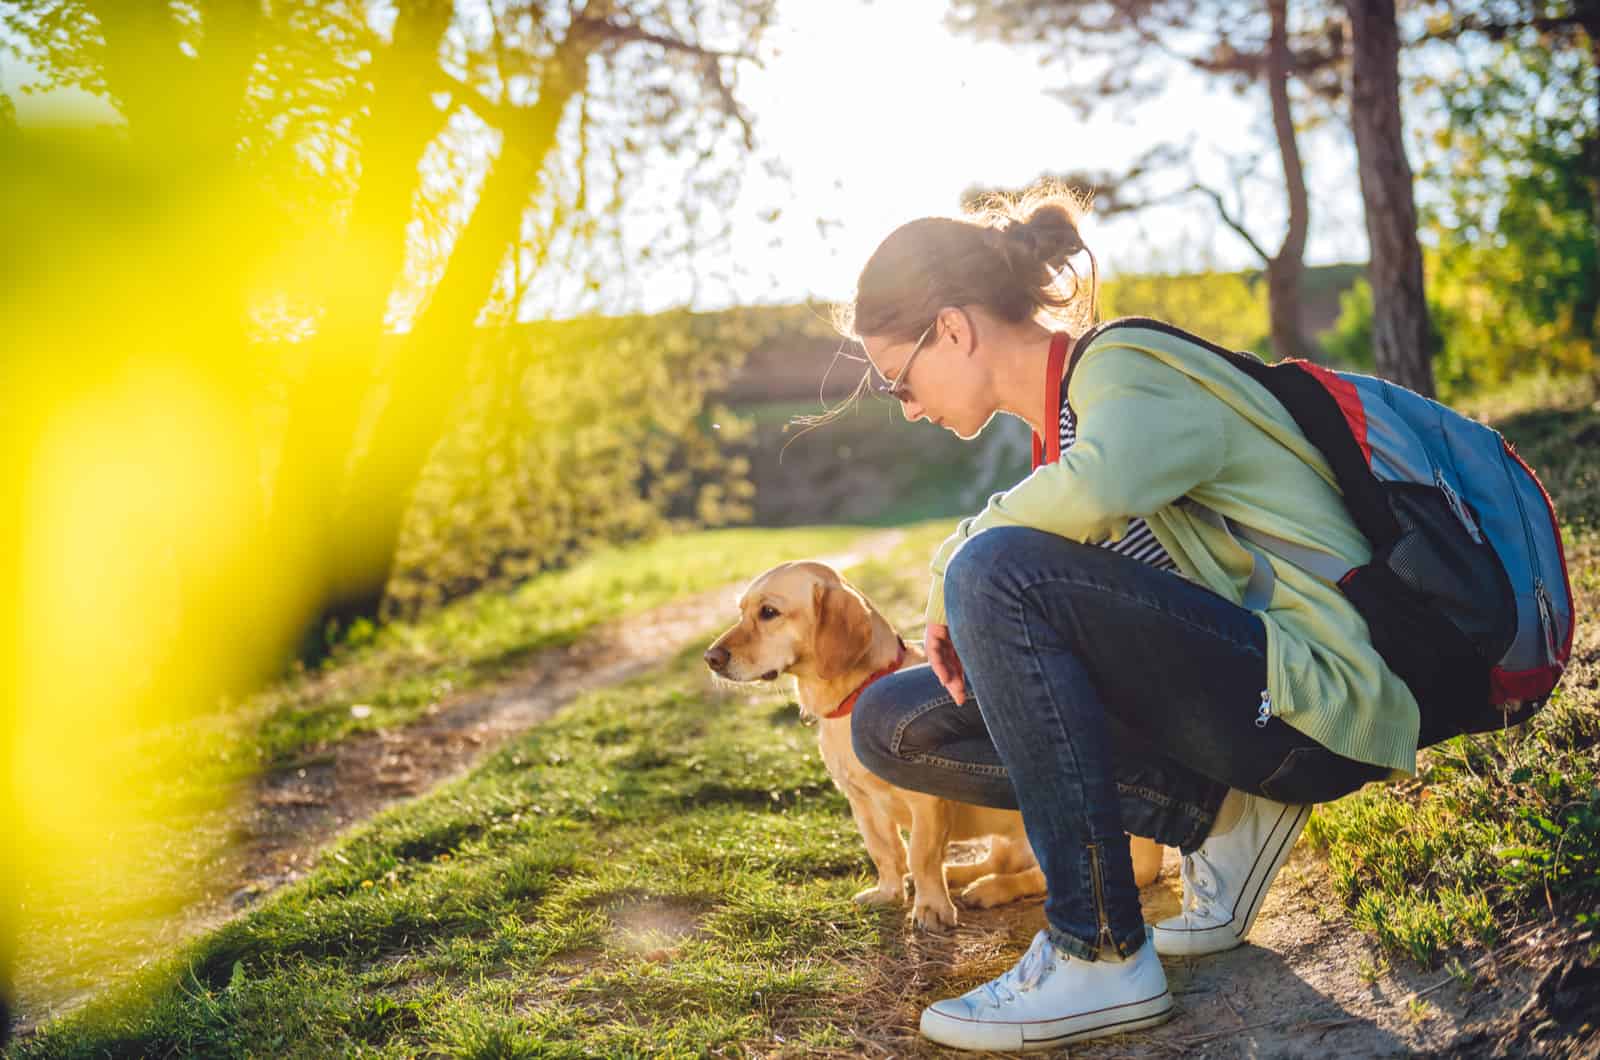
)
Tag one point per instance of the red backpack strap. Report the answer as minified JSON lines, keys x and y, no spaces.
{"x":1049,"y":451}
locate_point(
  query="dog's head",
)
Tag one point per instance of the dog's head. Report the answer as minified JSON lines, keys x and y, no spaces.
{"x":797,"y":618}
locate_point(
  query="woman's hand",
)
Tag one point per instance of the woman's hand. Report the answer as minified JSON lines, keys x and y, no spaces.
{"x":946,"y":666}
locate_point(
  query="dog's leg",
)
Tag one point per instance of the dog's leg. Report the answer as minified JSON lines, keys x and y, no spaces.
{"x":1014,"y":874}
{"x":995,"y":861}
{"x":1003,"y":887}
{"x":930,"y":834}
{"x":888,"y":854}
{"x":1146,"y":860}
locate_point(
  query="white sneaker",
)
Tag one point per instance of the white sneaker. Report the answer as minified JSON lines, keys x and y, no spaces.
{"x":1051,"y":998}
{"x":1226,"y":880}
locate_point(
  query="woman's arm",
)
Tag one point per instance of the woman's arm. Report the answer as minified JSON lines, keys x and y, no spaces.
{"x":1147,"y":435}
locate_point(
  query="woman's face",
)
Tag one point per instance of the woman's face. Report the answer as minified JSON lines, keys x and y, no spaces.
{"x":934,"y":377}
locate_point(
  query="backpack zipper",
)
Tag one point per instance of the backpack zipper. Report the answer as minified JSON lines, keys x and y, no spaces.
{"x":1540,"y":595}
{"x":1457,"y":506}
{"x":1547,"y":624}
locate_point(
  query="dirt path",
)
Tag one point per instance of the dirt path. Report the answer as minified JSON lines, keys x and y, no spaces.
{"x":297,"y":811}
{"x":1307,"y":985}
{"x":274,"y":836}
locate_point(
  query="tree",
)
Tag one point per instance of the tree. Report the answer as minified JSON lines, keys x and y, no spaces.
{"x":1511,"y":215}
{"x":1240,"y":41}
{"x":1400,"y":335}
{"x":231,"y":102}
{"x":1550,"y":38}
{"x":307,"y":215}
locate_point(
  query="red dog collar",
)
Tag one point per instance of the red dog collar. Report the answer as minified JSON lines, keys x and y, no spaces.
{"x":843,"y":709}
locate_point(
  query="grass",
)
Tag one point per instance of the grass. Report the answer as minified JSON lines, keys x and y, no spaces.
{"x":1499,"y":829}
{"x":663,"y":869}
{"x":401,"y":669}
{"x":194,"y":777}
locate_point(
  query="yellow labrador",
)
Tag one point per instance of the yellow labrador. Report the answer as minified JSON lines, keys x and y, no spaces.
{"x":804,"y":620}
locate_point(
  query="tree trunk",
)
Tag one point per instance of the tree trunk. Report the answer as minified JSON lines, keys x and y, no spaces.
{"x":1400,"y":332}
{"x":430,"y":365}
{"x":1591,"y":29}
{"x":325,"y":411}
{"x":1284,"y":271}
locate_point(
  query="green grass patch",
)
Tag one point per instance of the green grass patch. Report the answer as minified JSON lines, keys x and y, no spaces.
{"x":195,"y":775}
{"x":535,"y":899}
{"x":1503,"y":828}
{"x":662,"y":869}
{"x":397,"y":671}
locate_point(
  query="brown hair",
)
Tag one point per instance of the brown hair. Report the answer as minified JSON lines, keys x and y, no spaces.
{"x":1012,"y":255}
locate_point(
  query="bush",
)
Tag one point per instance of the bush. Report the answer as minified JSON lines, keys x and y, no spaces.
{"x":577,"y":434}
{"x":1229,"y":308}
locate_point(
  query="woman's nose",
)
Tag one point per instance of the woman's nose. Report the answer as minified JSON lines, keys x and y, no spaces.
{"x":911,"y":411}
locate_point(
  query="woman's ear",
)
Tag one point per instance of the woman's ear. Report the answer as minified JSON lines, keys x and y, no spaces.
{"x":842,"y":635}
{"x":957,"y":327}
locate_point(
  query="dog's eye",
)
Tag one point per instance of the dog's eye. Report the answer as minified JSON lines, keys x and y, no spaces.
{"x":768,"y":611}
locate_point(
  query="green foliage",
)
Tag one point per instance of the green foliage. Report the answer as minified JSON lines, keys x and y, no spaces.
{"x":1504,"y":827}
{"x":1511,"y":216}
{"x":1349,"y":342}
{"x":1229,"y":308}
{"x":578,"y":434}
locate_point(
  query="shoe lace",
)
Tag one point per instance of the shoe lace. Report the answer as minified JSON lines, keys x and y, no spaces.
{"x":1200,"y":887}
{"x":1029,"y":972}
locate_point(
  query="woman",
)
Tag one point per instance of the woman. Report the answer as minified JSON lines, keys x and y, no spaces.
{"x":1085,"y":685}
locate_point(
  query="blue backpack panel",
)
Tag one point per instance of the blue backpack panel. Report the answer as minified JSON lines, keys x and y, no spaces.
{"x":1466,"y":595}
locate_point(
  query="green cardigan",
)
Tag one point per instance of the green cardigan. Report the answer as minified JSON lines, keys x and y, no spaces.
{"x":1160,"y":419}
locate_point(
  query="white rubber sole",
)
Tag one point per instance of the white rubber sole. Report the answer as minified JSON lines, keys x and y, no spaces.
{"x":1184,"y":941}
{"x":1028,"y":1036}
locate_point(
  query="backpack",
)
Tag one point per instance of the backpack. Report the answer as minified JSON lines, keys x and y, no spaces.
{"x":1466,"y":596}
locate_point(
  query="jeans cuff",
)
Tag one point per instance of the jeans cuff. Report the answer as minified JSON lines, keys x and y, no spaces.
{"x":1073,"y":945}
{"x":1089,"y":950}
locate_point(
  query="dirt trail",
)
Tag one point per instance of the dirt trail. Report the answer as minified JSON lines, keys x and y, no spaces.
{"x":1307,"y":985}
{"x":297,"y":811}
{"x":274,"y":836}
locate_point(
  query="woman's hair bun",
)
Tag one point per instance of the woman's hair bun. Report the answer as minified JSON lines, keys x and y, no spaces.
{"x":1049,"y":234}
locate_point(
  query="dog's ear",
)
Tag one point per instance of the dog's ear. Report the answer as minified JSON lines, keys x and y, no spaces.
{"x":843,"y":633}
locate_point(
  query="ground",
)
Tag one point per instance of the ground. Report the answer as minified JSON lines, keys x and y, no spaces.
{"x":1307,"y":984}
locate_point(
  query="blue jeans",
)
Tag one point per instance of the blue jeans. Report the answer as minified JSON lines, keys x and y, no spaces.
{"x":1104,"y":697}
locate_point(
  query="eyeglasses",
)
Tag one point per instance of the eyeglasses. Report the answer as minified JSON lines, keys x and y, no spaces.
{"x":898,"y":389}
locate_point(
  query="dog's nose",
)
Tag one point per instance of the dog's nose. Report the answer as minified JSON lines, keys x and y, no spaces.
{"x":717,"y":658}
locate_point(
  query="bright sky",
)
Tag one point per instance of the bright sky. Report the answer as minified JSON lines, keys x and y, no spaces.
{"x":882,"y":115}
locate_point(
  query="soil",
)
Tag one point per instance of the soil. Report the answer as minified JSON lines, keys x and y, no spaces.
{"x":1306,"y":985}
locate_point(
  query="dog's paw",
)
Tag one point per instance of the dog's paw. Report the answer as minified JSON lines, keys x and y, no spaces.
{"x":988,"y":892}
{"x":878,"y":896}
{"x":934,"y":916}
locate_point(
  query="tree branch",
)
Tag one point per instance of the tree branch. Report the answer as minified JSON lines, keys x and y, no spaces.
{"x":1499,"y":30}
{"x":1228,"y":219}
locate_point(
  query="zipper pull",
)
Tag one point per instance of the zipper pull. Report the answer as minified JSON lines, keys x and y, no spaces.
{"x":1547,"y":623}
{"x":1264,"y":713}
{"x":1458,"y":507}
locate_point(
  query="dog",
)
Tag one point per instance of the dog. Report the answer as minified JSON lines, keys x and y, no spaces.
{"x":803,"y":620}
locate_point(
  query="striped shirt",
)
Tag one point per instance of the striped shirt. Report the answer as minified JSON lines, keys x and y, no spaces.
{"x":1139,"y":542}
